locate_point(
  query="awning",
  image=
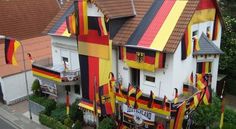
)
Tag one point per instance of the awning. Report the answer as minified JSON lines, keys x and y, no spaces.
{"x":88,"y":105}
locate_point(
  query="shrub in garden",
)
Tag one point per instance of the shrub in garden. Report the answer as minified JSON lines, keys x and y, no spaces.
{"x":59,"y":113}
{"x":51,"y":122}
{"x":75,"y":112}
{"x":68,"y":122}
{"x":107,"y":123}
{"x":77,"y":125}
{"x":36,"y":87}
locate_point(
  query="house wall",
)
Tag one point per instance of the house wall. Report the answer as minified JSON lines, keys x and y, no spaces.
{"x":15,"y":91}
{"x":187,"y":66}
{"x":65,"y":47}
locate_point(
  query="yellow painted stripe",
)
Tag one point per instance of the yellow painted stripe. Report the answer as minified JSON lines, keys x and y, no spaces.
{"x":163,"y":35}
{"x":105,"y":66}
{"x":142,"y":66}
{"x":203,"y":16}
{"x":95,"y":50}
{"x":46,"y":76}
{"x":85,"y":17}
{"x":66,"y":33}
{"x":157,"y":60}
{"x":189,"y":49}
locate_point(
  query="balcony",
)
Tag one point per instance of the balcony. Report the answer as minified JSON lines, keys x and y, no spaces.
{"x":44,"y":69}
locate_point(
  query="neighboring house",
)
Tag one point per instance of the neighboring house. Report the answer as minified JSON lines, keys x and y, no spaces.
{"x":23,"y":20}
{"x":169,"y":50}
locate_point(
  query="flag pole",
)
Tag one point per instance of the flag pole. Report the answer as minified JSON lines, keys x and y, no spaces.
{"x":95,"y":103}
{"x":26,"y":81}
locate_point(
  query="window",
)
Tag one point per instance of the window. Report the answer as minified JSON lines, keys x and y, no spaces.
{"x":65,"y":59}
{"x":77,"y":89}
{"x":150,"y":78}
{"x":204,"y":67}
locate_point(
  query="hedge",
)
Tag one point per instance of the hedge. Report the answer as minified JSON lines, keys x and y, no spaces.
{"x":49,"y":104}
{"x":51,"y":122}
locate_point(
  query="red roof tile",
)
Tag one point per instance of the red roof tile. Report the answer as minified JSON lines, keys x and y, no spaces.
{"x":23,"y":19}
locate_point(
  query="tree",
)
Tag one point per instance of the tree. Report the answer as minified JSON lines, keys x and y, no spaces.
{"x":207,"y":115}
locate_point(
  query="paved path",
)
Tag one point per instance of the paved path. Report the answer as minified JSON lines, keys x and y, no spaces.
{"x":18,"y":119}
{"x":5,"y":124}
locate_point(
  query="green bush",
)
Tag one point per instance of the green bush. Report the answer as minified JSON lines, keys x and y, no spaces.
{"x":207,"y":116}
{"x":68,"y":122}
{"x":36,"y":87}
{"x":50,"y":122}
{"x":49,"y":104}
{"x":59,"y":113}
{"x":229,"y":116}
{"x":229,"y":125}
{"x":75,"y":113}
{"x":77,"y":125}
{"x":107,"y":123}
{"x":231,"y":86}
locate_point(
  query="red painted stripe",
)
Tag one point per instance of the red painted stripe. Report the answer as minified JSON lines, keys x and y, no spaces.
{"x":122,"y":53}
{"x":81,"y":17}
{"x":149,"y":60}
{"x":93,"y":37}
{"x":108,"y":108}
{"x":160,"y":60}
{"x":205,"y":4}
{"x":131,"y":56}
{"x":46,"y":73}
{"x":10,"y":51}
{"x":93,"y":63}
{"x":156,"y":23}
{"x":61,"y":29}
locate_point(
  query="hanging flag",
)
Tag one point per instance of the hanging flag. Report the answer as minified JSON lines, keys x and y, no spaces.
{"x":105,"y":100}
{"x":185,"y":44}
{"x":196,"y":99}
{"x":71,"y":24}
{"x":207,"y":96}
{"x":137,"y":95}
{"x":196,"y":44}
{"x":176,"y":96}
{"x":185,"y":89}
{"x":216,"y":26}
{"x":164,"y":103}
{"x":11,"y":46}
{"x":82,"y":17}
{"x":191,"y":79}
{"x":151,"y":100}
{"x":102,"y":26}
{"x":131,"y":90}
{"x":201,"y":83}
{"x":180,"y":116}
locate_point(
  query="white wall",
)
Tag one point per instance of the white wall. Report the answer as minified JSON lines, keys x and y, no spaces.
{"x":14,"y":87}
{"x":66,"y":47}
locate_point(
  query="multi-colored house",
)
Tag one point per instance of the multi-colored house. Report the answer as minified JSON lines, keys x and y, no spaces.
{"x":164,"y":56}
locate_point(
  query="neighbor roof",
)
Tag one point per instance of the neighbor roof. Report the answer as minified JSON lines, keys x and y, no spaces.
{"x":207,"y":47}
{"x":39,"y":47}
{"x":23,"y":19}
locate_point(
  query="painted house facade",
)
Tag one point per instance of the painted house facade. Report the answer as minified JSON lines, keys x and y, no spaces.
{"x":164,"y":55}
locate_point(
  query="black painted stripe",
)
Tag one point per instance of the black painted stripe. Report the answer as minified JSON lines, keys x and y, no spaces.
{"x":147,"y":52}
{"x":44,"y":69}
{"x":84,"y":75}
{"x":147,"y":19}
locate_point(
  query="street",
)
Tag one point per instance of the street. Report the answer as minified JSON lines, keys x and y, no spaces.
{"x":5,"y":125}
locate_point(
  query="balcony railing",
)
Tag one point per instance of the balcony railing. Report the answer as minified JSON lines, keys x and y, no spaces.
{"x":45,"y":69}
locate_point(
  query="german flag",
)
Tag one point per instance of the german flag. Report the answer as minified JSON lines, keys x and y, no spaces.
{"x":196,"y":44}
{"x":81,"y":11}
{"x":11,"y":46}
{"x":216,"y":26}
{"x":131,"y":90}
{"x":137,"y":95}
{"x":207,"y":96}
{"x":71,"y":24}
{"x":180,"y":116}
{"x":151,"y":99}
{"x":176,"y":96}
{"x":164,"y":103}
{"x":185,"y":45}
{"x":105,"y":100}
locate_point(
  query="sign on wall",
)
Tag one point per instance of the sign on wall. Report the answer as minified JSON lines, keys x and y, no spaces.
{"x":48,"y":87}
{"x":139,"y":116}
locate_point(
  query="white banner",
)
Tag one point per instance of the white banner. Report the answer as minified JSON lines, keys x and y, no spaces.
{"x":48,"y":87}
{"x":139,"y":114}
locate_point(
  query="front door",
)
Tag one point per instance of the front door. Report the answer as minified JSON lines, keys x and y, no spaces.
{"x":135,"y":77}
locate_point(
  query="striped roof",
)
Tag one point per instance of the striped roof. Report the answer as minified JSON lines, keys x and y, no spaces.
{"x":157,"y":25}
